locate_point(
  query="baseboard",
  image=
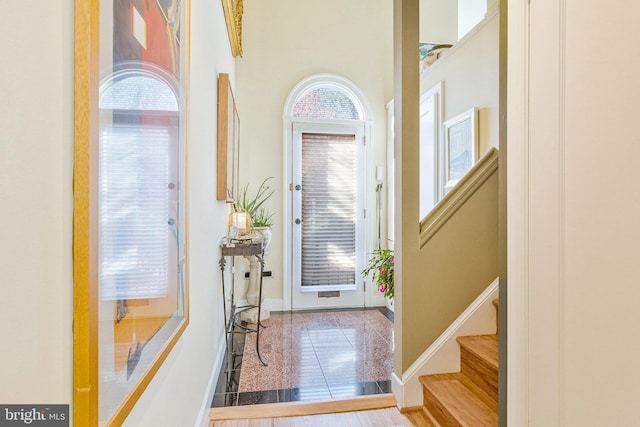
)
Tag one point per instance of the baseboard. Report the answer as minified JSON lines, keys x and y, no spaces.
{"x":443,"y":356}
{"x":203,"y":416}
{"x":397,"y":388}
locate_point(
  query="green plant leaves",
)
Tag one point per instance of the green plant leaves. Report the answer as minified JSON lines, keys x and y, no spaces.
{"x":381,"y":270}
{"x":260,"y":215}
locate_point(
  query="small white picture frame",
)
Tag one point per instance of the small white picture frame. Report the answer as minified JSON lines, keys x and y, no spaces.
{"x":460,"y":147}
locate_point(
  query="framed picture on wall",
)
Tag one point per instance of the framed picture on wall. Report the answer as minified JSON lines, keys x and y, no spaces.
{"x":228,"y":142}
{"x":131,"y":300}
{"x":460,"y":147}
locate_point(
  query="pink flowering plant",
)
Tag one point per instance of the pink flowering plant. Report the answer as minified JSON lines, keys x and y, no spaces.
{"x":381,"y":271}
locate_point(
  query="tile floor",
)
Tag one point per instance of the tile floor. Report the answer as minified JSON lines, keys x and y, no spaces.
{"x":318,"y":355}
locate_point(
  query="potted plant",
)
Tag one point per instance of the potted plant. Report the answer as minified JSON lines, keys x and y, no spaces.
{"x":261,"y":218}
{"x":381,"y":271}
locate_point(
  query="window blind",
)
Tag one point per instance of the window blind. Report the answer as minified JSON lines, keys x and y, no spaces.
{"x":133,"y":211}
{"x":328,"y":209}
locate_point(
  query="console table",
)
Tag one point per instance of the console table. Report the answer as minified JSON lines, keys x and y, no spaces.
{"x":232,"y":250}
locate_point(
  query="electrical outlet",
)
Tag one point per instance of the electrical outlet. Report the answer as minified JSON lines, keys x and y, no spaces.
{"x":266,"y":274}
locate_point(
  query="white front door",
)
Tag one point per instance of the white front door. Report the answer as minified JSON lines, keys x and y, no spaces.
{"x":328,"y":215}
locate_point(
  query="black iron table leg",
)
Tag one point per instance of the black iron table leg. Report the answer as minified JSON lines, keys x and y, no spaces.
{"x":241,"y":249}
{"x":222,"y":264}
{"x":261,"y":259}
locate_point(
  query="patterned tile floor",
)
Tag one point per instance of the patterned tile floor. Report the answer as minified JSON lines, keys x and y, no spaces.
{"x":318,"y":355}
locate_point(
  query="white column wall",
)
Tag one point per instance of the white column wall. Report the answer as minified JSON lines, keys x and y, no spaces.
{"x":573,"y":214}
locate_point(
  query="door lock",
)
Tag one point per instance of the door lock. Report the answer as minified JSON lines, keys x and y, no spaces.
{"x":298,"y":187}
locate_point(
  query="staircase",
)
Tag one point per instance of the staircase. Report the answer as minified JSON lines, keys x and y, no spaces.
{"x":468,"y":398}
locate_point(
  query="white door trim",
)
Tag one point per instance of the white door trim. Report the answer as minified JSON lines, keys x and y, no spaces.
{"x":535,"y":212}
{"x":517,"y":212}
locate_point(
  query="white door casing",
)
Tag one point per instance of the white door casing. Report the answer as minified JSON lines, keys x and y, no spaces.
{"x":366,"y":174}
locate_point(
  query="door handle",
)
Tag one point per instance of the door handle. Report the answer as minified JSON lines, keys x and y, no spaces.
{"x":298,"y":187}
{"x":298,"y":221}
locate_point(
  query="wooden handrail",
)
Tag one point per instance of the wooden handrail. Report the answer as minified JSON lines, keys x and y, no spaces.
{"x":459,"y":194}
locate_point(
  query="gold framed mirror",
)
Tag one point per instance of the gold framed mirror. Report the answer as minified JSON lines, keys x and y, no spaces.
{"x":233,"y":16}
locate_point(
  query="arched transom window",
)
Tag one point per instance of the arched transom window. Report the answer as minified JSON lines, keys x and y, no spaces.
{"x":327,"y":101}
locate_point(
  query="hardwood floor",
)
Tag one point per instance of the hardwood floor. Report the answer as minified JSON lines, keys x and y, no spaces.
{"x":417,"y":417}
{"x":388,"y":417}
{"x":364,"y":411}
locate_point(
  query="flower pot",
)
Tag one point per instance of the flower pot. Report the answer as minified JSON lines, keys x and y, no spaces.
{"x":265,"y":233}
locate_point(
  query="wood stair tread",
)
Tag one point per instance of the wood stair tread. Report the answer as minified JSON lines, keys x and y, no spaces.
{"x":461,"y":400}
{"x":419,"y":417}
{"x":483,"y":346}
{"x":462,"y":378}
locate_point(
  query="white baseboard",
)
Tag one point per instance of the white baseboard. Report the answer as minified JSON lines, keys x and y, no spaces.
{"x":211,"y":388}
{"x":443,"y":356}
{"x":397,"y":388}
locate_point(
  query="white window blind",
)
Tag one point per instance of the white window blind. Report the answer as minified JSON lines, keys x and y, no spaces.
{"x":133,"y":211}
{"x":328,"y":209}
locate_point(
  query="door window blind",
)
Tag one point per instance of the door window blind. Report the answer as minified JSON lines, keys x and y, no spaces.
{"x":328,"y":209}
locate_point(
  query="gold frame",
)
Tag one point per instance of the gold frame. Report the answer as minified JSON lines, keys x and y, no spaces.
{"x":233,"y":10}
{"x":228,"y":142}
{"x":85,"y":229}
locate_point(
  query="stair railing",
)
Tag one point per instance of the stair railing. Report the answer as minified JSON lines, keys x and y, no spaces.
{"x":459,"y":194}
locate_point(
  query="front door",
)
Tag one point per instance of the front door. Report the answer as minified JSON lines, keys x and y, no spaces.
{"x":328,"y":216}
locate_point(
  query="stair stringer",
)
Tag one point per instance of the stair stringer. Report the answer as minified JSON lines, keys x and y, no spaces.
{"x":443,"y":356}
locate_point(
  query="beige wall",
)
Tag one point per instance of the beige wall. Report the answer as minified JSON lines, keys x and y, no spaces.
{"x":450,"y":271}
{"x":469,"y":73}
{"x":36,"y":165}
{"x":438,"y":21}
{"x":284,"y":42}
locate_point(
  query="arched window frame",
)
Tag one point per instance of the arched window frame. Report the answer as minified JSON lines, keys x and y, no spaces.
{"x":360,"y":100}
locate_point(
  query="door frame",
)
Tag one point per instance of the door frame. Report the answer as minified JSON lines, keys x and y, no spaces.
{"x":288,"y":120}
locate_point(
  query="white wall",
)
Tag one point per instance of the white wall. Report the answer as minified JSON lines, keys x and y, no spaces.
{"x":574,"y":205}
{"x":470,"y":12}
{"x":284,"y":42}
{"x":36,"y":158}
{"x":175,"y":395}
{"x":36,"y":171}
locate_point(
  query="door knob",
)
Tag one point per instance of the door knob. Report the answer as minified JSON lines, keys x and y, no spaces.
{"x":298,"y":221}
{"x":298,"y":187}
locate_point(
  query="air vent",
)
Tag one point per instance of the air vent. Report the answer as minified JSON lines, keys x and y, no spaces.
{"x":329,"y":294}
